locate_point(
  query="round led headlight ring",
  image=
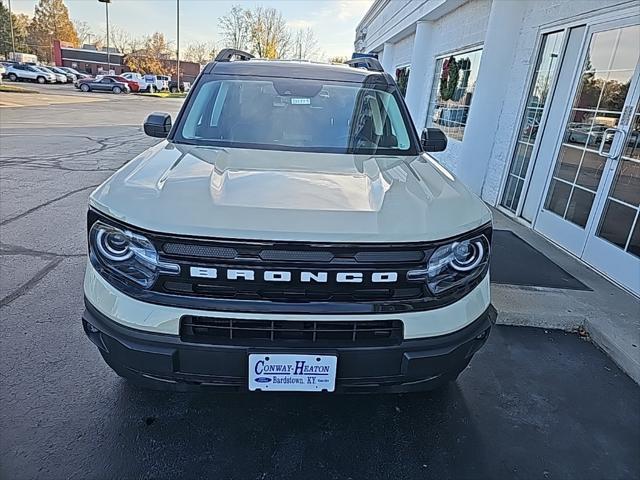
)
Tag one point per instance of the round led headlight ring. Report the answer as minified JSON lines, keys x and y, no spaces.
{"x":467,"y":255}
{"x":113,"y":245}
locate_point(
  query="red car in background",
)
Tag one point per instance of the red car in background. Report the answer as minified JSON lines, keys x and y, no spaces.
{"x":133,"y":85}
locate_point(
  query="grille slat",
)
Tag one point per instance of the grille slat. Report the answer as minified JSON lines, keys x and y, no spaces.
{"x":362,"y":333}
{"x":200,"y":251}
{"x":250,"y":291}
{"x":296,"y":256}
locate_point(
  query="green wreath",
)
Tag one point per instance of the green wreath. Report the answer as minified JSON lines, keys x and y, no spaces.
{"x":449,"y":78}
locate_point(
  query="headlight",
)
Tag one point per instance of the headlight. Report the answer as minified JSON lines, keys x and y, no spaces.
{"x":454,"y":264}
{"x":126,"y":255}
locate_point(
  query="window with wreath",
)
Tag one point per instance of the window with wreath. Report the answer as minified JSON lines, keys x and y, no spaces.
{"x":402,"y":79}
{"x":452,"y":91}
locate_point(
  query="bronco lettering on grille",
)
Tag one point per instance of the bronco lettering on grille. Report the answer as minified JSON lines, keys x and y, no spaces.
{"x":287,"y":276}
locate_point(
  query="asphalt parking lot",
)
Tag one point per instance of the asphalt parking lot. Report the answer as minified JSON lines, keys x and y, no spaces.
{"x":533,"y":403}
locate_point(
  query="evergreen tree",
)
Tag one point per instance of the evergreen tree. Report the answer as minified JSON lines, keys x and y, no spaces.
{"x":50,"y":22}
{"x":19,"y":32}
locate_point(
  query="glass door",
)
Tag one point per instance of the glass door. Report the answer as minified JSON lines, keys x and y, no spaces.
{"x":596,"y":130}
{"x":613,"y":245}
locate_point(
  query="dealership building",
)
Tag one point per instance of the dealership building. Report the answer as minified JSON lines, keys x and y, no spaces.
{"x":93,"y":61}
{"x":539,"y":101}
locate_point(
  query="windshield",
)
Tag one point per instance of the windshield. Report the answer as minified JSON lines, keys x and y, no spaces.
{"x":294,"y":114}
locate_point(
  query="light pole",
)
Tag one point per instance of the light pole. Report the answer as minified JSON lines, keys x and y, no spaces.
{"x":178,"y":42}
{"x":13,"y":39}
{"x":106,"y":9}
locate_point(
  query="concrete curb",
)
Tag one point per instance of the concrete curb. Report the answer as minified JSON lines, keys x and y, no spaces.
{"x":607,"y":313}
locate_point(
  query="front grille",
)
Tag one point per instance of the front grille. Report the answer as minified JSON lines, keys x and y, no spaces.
{"x":266,"y":332}
{"x":277,"y":257}
{"x":237,"y":275}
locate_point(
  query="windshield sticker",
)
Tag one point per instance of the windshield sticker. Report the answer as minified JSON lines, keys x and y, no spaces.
{"x":300,"y":101}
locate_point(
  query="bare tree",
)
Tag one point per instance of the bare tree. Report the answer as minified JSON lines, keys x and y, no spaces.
{"x":305,"y":45}
{"x":158,"y":46}
{"x":268,"y":33}
{"x":200,"y":52}
{"x":338,"y":59}
{"x":149,"y":58}
{"x":235,"y":28}
{"x":123,"y":41}
{"x":85,"y":32}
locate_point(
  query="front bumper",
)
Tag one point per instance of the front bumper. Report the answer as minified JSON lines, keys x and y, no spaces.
{"x":160,"y":359}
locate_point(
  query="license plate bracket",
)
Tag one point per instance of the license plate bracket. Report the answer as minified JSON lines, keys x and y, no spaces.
{"x":292,"y":372}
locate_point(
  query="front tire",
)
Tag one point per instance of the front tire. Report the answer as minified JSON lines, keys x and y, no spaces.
{"x":85,"y":88}
{"x":13,"y":77}
{"x":117,"y":90}
{"x":173,"y":89}
{"x":41,"y":80}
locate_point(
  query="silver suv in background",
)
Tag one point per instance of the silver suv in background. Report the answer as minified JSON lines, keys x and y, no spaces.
{"x":24,"y":72}
{"x":59,"y":77}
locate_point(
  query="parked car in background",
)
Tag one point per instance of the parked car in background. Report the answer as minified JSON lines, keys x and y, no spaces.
{"x":138,"y":78}
{"x":75,"y":72}
{"x":590,"y":134}
{"x":70,"y":76}
{"x":133,"y":85}
{"x":103,"y":84}
{"x":24,"y":72}
{"x":156,"y":83}
{"x":162,"y":82}
{"x":6,"y":64}
{"x":59,"y":78}
{"x":174,"y":88}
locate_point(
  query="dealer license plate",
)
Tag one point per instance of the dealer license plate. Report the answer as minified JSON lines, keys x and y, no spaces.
{"x":291,"y":372}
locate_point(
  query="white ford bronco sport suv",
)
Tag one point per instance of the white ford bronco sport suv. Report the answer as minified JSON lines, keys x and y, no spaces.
{"x":290,"y":232}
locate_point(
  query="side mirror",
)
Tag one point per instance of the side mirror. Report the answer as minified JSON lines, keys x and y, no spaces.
{"x":158,"y":125}
{"x":433,"y":140}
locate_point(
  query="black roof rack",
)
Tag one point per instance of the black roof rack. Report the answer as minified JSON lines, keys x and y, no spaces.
{"x":369,"y":63}
{"x":227,"y":54}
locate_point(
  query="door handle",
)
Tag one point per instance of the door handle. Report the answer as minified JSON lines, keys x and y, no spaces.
{"x":604,"y":139}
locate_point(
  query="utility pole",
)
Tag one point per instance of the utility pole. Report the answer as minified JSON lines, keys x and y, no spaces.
{"x":13,"y":39}
{"x":178,"y":43}
{"x":106,"y":8}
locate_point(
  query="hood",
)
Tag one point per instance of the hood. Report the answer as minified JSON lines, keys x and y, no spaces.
{"x":289,"y":196}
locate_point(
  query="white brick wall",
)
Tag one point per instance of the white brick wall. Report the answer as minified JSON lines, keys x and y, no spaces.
{"x":538,"y":14}
{"x":402,"y":51}
{"x":465,"y":25}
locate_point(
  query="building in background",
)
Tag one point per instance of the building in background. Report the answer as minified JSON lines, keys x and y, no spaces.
{"x":539,"y":101}
{"x":93,"y":61}
{"x":88,"y":59}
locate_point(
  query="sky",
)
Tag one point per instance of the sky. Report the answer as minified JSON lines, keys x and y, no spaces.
{"x":334,"y":21}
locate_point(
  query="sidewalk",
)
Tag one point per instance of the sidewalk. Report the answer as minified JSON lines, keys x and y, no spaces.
{"x":610,"y":315}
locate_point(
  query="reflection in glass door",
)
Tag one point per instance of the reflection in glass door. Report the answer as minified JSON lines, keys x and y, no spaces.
{"x":619,"y":222}
{"x":614,"y":248}
{"x":604,"y":85}
{"x":593,"y":197}
{"x":539,"y":94}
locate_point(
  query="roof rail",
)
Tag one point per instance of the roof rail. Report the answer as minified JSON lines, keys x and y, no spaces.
{"x":369,"y":63}
{"x":227,"y":54}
